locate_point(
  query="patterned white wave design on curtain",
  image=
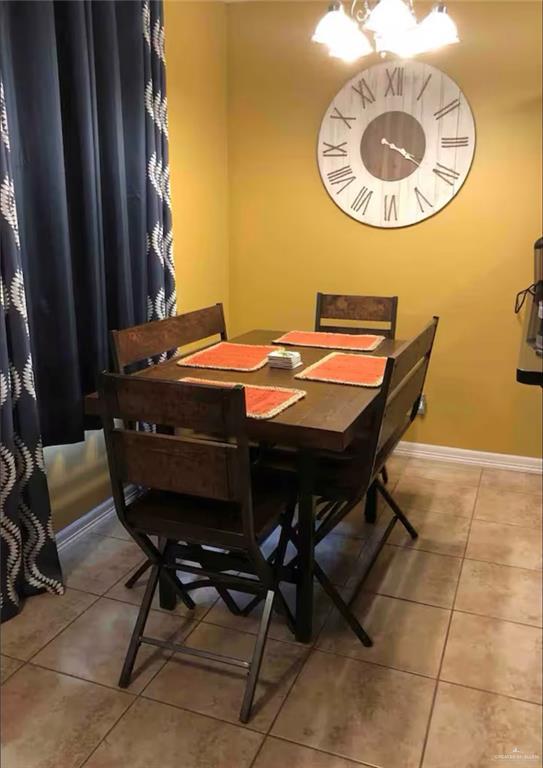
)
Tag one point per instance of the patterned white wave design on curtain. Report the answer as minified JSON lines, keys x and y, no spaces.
{"x":146,"y":12}
{"x":157,"y":107}
{"x":11,"y":534}
{"x":29,"y":557}
{"x":161,"y":299}
{"x":4,"y":135}
{"x":8,"y":208}
{"x":36,"y":537}
{"x":159,"y":176}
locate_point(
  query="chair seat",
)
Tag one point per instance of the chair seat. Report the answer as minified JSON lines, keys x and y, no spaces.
{"x":198,"y":520}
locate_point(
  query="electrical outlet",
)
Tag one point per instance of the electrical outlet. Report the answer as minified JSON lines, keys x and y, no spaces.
{"x":422,"y":406}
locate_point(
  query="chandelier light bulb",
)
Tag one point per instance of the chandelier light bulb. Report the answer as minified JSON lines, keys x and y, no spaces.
{"x":352,"y":46}
{"x":332,"y":26}
{"x":390,"y":16}
{"x":436,"y":30}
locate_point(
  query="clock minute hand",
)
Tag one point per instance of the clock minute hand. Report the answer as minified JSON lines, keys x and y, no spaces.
{"x":403,"y":152}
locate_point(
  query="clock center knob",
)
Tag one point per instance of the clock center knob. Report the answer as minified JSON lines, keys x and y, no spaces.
{"x":393,"y":146}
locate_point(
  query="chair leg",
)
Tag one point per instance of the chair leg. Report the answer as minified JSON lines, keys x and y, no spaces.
{"x":136,"y":576}
{"x":256,"y":661}
{"x":370,"y":506}
{"x":135,"y":640}
{"x":384,"y":474}
{"x":229,"y":601}
{"x":396,"y":509}
{"x":342,"y":607}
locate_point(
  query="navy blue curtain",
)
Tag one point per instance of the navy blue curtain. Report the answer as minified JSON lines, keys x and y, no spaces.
{"x":85,"y":165}
{"x":28,"y":554}
{"x":85,"y":91}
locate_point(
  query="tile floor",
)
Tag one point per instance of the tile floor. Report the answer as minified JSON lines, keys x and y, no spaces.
{"x":453,"y":679}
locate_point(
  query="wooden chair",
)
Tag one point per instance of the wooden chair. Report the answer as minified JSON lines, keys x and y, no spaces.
{"x":343,"y":481}
{"x":363,"y":309}
{"x":200,"y":493}
{"x":338,"y":480}
{"x":332,"y":308}
{"x":151,"y":340}
{"x":154,"y":340}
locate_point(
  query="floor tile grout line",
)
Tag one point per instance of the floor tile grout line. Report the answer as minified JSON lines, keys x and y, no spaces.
{"x":274,"y":719}
{"x":443,"y":652}
{"x":509,"y":525}
{"x":498,"y":618}
{"x":493,"y":693}
{"x":450,"y":608}
{"x":321,"y":751}
{"x":506,"y":565}
{"x":69,"y":624}
{"x":10,"y":675}
{"x":426,"y":551}
{"x":104,"y":737}
{"x":294,"y":643}
{"x":379,"y":664}
{"x":503,"y":565}
{"x":137,"y":695}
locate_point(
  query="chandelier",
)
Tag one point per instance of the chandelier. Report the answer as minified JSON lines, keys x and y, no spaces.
{"x":393,"y":25}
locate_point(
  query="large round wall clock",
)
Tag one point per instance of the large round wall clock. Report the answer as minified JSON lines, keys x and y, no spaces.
{"x":396,"y":144}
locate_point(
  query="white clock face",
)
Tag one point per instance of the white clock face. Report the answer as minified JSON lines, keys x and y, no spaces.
{"x":396,"y":144}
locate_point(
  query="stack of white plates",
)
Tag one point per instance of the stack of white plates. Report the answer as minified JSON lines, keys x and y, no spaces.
{"x":282,"y":358}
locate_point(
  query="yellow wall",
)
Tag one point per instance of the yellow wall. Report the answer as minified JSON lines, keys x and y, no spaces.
{"x":255,"y":229}
{"x":78,"y":478}
{"x":197,"y":107}
{"x":288,"y":239}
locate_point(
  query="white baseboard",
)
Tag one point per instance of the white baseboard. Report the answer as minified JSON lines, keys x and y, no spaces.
{"x":464,"y":456}
{"x":68,"y":535}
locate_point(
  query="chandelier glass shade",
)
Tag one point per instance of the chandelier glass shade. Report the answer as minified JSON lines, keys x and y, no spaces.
{"x":393,"y":25}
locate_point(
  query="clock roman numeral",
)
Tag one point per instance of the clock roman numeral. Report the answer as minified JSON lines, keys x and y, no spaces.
{"x":395,"y":82}
{"x":450,"y":142}
{"x":391,"y":208}
{"x":343,"y":176}
{"x":450,"y":107}
{"x":362,"y":200}
{"x":424,"y":86}
{"x":421,"y":200}
{"x":447,"y":174}
{"x":334,"y":150}
{"x":364,"y":91}
{"x":343,"y":118}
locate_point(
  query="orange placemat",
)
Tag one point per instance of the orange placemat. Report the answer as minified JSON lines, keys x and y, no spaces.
{"x":363,"y":342}
{"x":340,"y":368}
{"x":260,"y":402}
{"x":229,"y":357}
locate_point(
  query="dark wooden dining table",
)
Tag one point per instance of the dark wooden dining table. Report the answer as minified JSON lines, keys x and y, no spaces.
{"x":326,"y":419}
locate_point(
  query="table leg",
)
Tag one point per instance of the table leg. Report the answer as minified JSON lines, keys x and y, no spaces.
{"x":306,"y":544}
{"x":166,"y":592}
{"x":370,"y":508}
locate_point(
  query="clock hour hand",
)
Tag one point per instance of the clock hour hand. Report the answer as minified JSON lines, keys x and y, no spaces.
{"x":403,"y":152}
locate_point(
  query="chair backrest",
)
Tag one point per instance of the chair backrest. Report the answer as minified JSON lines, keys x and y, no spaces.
{"x":375,"y":309}
{"x":382,"y":425}
{"x":150,"y":339}
{"x":353,"y":472}
{"x":406,"y":385}
{"x":215,"y":465}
